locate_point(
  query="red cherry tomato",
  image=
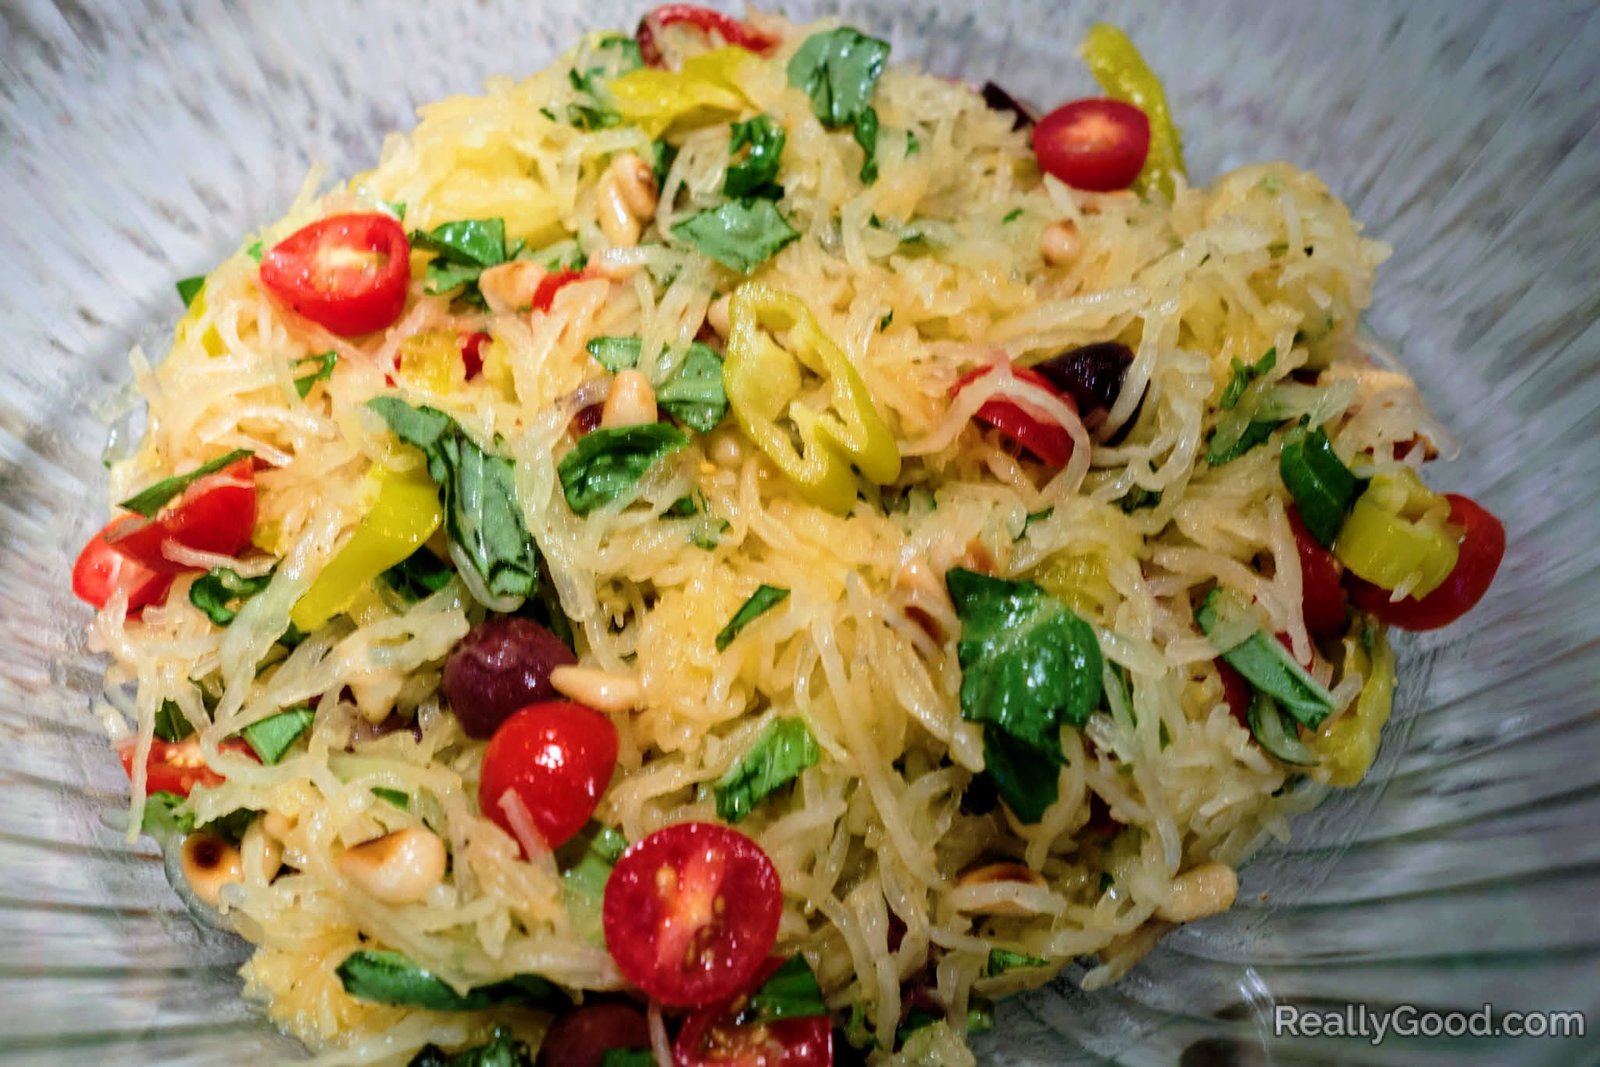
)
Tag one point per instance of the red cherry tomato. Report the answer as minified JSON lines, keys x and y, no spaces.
{"x":1047,"y":440}
{"x":348,"y":273}
{"x":472,"y":353}
{"x":714,"y":1037}
{"x":583,"y":1037}
{"x":101,"y":570}
{"x":557,"y":757}
{"x":545,"y":293}
{"x":1236,"y":692}
{"x":1322,"y":598}
{"x":177,"y":767}
{"x":1097,"y":145}
{"x":704,"y":19}
{"x":691,"y":913}
{"x":1483,"y":546}
{"x":215,"y":514}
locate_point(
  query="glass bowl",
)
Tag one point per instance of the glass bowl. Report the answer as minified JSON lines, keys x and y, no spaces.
{"x":137,"y":141}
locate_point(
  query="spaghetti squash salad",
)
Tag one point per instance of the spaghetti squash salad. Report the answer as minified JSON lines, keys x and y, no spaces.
{"x":730,"y":548}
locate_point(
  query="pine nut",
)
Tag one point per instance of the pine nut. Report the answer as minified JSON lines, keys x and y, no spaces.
{"x":397,"y":868}
{"x":1059,"y":243}
{"x":725,"y":449}
{"x":636,"y":181}
{"x":632,"y":402}
{"x":617,"y":222}
{"x":1208,"y":889}
{"x":599,"y":689}
{"x":209,"y":863}
{"x":992,"y":873}
{"x":510,"y":286}
{"x":717,"y":315}
{"x":260,"y":853}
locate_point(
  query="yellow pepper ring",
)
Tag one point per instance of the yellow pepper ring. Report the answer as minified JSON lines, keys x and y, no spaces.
{"x":763,"y":383}
{"x":1398,"y":530}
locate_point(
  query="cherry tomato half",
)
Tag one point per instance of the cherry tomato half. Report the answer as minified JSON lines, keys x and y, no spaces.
{"x":704,"y":19}
{"x":712,"y":1037}
{"x":1096,"y":145}
{"x":557,"y":757}
{"x":1236,"y":692}
{"x":178,"y":766}
{"x":545,"y":293}
{"x":101,"y":570}
{"x":583,"y":1037}
{"x":1483,"y":546}
{"x":348,"y":273}
{"x":691,"y":913}
{"x":1047,"y":440}
{"x":215,"y":514}
{"x":1322,"y":598}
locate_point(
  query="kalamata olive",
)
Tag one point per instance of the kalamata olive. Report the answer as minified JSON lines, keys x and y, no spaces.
{"x":503,"y":664}
{"x":1092,"y":375}
{"x":1000,"y":100}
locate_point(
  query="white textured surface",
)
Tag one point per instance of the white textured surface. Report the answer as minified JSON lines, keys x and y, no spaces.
{"x":139,"y":140}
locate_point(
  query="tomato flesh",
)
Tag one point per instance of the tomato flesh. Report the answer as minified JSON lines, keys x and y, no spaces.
{"x":178,"y":766}
{"x":472,"y":353}
{"x":348,"y":273}
{"x":1094,"y":145}
{"x":1046,"y":440}
{"x":1483,"y":546}
{"x":544,"y":294}
{"x":691,"y":913}
{"x":704,"y":19}
{"x":1322,"y":598}
{"x":557,"y":757}
{"x":101,"y":570}
{"x":711,"y":1039}
{"x":216,"y":514}
{"x":583,"y":1037}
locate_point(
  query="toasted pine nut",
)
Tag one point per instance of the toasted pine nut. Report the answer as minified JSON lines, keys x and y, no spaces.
{"x":717,"y":315}
{"x":1059,"y":243}
{"x":725,"y":449}
{"x":260,"y":853}
{"x":397,"y":868}
{"x":632,"y":402}
{"x":991,"y":873}
{"x":209,"y":863}
{"x":510,"y":286}
{"x":1200,"y":891}
{"x":636,"y":181}
{"x":599,"y":689}
{"x":617,"y":222}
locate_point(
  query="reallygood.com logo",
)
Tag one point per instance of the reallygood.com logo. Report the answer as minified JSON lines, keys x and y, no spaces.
{"x":1408,"y":1020}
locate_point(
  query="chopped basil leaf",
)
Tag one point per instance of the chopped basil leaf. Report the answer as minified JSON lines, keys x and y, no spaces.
{"x":150,"y":501}
{"x":779,"y":755}
{"x":1028,"y":663}
{"x":628,"y":1057}
{"x":479,"y":493}
{"x":397,"y":208}
{"x":913,"y":143}
{"x":741,"y":234}
{"x":883,"y":323}
{"x":608,"y":463}
{"x":839,"y":69}
{"x":272,"y":736}
{"x":398,"y":798}
{"x":682,"y":508}
{"x":763,"y":600}
{"x":1243,"y":375}
{"x":171,"y":723}
{"x":1036,"y":516}
{"x":166,"y":814}
{"x":707,"y":533}
{"x":220,"y":589}
{"x":665,"y":153}
{"x":324,"y":370}
{"x":1028,"y":779}
{"x":586,"y":863}
{"x":1322,"y":486}
{"x":189,"y":288}
{"x":791,"y":993}
{"x":1267,"y":665}
{"x":1012,"y":216}
{"x":418,"y":576}
{"x":756,"y":174}
{"x":463,"y":249}
{"x":690,"y":389}
{"x":1002,"y":960}
{"x":1219,"y":452}
{"x":1138,"y":498}
{"x":503,"y":1050}
{"x":390,"y":978}
{"x":866,"y":135}
{"x":255,"y":251}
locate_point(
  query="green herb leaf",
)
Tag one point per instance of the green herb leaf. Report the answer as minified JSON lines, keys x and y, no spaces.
{"x":1012,"y":216}
{"x":757,"y":173}
{"x":838,"y":69}
{"x":502,"y":1050}
{"x":1028,"y":779}
{"x":883,"y":323}
{"x":764,"y":599}
{"x":1002,"y":960}
{"x":1276,"y":732}
{"x":149,"y":501}
{"x":1027,"y":662}
{"x":779,"y":755}
{"x":628,"y":1057}
{"x":418,"y":576}
{"x":690,"y":389}
{"x":220,"y":589}
{"x":1243,"y":375}
{"x":399,"y":799}
{"x":682,"y":508}
{"x":791,"y":993}
{"x":171,"y":723}
{"x":272,"y":736}
{"x":390,"y":978}
{"x":1138,"y":498}
{"x":324,"y":370}
{"x":479,"y":494}
{"x":1322,"y":486}
{"x":741,"y":234}
{"x":464,"y":250}
{"x":255,"y":251}
{"x":608,"y":463}
{"x":913,"y":143}
{"x":586,"y":863}
{"x":866,"y":135}
{"x":665,"y":153}
{"x":166,"y":815}
{"x":1267,"y":665}
{"x":397,"y":208}
{"x":1220,"y":452}
{"x":189,"y":288}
